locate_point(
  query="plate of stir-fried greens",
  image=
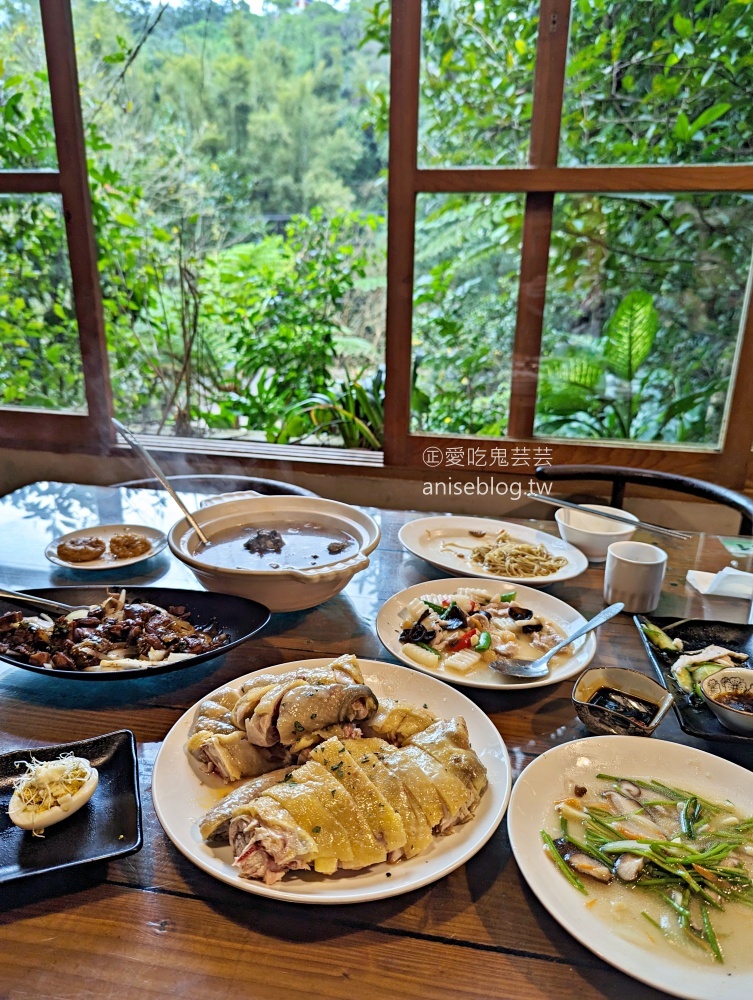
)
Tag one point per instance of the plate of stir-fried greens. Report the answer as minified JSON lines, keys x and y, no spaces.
{"x":643,"y":851}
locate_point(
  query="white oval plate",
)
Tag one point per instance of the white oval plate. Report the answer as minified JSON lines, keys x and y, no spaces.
{"x":424,"y":537}
{"x":531,"y":810}
{"x":181,"y":798}
{"x":391,"y":614}
{"x":157,"y":538}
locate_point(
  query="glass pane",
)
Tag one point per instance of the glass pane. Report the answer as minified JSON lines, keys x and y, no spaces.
{"x":659,"y":83}
{"x":40,"y":363}
{"x":476,"y":81}
{"x":465,"y":297}
{"x":27,"y":139}
{"x":644,"y":302}
{"x":239,"y":201}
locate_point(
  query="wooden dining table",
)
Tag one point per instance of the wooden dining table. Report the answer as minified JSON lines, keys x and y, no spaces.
{"x":152,"y":925}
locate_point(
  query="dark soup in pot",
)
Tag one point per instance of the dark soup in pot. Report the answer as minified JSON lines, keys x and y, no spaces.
{"x":282,"y":545}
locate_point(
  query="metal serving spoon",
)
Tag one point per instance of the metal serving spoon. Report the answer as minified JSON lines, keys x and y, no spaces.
{"x":15,"y":597}
{"x":515,"y":667}
{"x":151,"y":464}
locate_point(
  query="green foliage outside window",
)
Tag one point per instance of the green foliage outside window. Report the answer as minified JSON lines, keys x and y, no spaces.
{"x":237,"y":171}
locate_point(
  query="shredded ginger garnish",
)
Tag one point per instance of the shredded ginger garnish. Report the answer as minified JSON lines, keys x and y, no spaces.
{"x":47,"y":784}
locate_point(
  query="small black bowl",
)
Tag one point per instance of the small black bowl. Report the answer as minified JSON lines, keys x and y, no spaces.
{"x":107,"y":827}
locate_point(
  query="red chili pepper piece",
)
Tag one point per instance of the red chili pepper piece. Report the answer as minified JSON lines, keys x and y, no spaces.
{"x":463,"y":642}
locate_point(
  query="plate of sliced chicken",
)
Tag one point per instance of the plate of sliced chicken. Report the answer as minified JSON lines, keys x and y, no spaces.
{"x":321,"y":781}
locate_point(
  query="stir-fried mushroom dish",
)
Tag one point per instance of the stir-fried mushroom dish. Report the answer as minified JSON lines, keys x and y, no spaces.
{"x":469,"y":629}
{"x":112,"y":635}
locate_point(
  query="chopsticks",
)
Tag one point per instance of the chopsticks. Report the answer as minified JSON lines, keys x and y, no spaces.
{"x":656,"y":528}
{"x":152,"y":465}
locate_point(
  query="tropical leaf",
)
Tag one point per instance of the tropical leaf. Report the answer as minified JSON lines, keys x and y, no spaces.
{"x":630,"y":334}
{"x":564,"y":401}
{"x":580,"y":371}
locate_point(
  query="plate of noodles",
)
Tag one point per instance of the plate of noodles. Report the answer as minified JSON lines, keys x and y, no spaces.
{"x":494,"y":550}
{"x":453,"y":629}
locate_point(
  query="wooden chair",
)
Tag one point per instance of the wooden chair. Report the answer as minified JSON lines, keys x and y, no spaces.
{"x":619,"y":476}
{"x":212,"y":484}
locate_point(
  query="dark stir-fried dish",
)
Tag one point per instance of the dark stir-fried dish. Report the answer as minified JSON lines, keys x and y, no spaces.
{"x":113,"y":635}
{"x":682,"y":860}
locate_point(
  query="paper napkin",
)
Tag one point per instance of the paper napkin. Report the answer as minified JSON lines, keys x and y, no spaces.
{"x":729,"y":582}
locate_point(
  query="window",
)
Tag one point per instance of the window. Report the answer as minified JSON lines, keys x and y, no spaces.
{"x":631,"y":218}
{"x":47,"y":298}
{"x":568,"y":249}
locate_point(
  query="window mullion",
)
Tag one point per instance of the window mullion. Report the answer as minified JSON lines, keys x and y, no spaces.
{"x":548,"y":88}
{"x":401,"y":225}
{"x":736,"y":439}
{"x":57,"y":26}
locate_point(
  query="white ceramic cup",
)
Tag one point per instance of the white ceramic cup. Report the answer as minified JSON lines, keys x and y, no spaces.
{"x":634,"y":575}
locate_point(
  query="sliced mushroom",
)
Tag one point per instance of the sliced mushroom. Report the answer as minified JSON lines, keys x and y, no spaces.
{"x":628,"y":867}
{"x":619,"y":804}
{"x":630,"y":789}
{"x":635,"y":822}
{"x":582,"y":863}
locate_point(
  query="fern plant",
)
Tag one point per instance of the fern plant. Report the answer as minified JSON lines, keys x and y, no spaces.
{"x":603,"y":388}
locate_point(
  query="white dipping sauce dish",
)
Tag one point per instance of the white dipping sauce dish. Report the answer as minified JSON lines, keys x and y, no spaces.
{"x":730,"y":681}
{"x":590,"y":533}
{"x":634,"y":574}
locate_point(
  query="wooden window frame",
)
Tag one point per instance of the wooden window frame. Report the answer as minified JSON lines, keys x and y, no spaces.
{"x":60,"y":430}
{"x":539,"y":181}
{"x":23,"y":427}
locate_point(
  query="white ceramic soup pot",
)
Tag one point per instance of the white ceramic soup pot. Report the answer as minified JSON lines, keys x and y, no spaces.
{"x":590,"y":533}
{"x":284,"y":588}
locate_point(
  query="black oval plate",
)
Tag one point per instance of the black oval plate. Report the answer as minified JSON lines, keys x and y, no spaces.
{"x":694,"y":716}
{"x":240,"y":618}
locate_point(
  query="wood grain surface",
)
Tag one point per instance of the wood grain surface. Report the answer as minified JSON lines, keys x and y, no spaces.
{"x":152,"y":925}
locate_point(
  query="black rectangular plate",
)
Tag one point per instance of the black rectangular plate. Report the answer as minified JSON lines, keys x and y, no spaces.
{"x":107,"y":827}
{"x":694,"y":717}
{"x":237,"y":616}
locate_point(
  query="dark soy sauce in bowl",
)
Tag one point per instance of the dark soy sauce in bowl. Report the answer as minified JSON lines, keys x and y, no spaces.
{"x":628,"y":705}
{"x":740,"y":700}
